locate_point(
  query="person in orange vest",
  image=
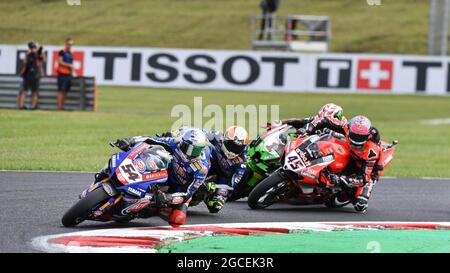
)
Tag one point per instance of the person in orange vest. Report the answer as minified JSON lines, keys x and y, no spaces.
{"x":65,"y":72}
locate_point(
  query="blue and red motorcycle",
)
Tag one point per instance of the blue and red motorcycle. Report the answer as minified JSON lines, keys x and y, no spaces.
{"x":128,"y":191}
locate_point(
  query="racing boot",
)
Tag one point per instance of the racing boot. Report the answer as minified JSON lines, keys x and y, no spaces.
{"x":178,"y":215}
{"x":362,"y":195}
{"x":215,"y":203}
{"x":217,"y":200}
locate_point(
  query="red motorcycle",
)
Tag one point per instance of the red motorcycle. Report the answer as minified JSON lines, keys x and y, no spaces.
{"x":303,"y":178}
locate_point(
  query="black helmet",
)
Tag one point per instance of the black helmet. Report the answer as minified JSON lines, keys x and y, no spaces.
{"x":32,"y":45}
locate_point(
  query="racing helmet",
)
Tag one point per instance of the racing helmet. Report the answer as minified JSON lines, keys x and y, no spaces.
{"x":32,"y":44}
{"x":333,"y":112}
{"x":359,"y":129}
{"x":193,"y":142}
{"x":235,"y":139}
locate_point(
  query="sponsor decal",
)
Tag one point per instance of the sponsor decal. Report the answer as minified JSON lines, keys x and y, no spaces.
{"x":372,"y":153}
{"x":196,"y":166}
{"x":134,"y":191}
{"x":113,"y":160}
{"x":308,"y":174}
{"x":305,"y":159}
{"x":138,"y":150}
{"x":423,"y":70}
{"x":134,"y":208}
{"x":387,"y":160}
{"x":140,"y":165}
{"x":121,"y":178}
{"x":154,"y":176}
{"x":250,"y":70}
{"x":333,"y":73}
{"x":374,"y":74}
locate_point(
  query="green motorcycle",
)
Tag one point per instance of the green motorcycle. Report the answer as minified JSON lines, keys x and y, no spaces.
{"x":263,"y":158}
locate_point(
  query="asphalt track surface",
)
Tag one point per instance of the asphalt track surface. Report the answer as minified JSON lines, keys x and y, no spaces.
{"x":32,"y":204}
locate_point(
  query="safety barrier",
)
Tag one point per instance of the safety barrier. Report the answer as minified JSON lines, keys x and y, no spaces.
{"x":81,"y":97}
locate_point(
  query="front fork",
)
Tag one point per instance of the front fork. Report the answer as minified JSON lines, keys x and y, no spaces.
{"x":110,"y":190}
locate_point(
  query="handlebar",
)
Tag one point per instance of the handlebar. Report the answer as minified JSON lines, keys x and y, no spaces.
{"x":394,"y":142}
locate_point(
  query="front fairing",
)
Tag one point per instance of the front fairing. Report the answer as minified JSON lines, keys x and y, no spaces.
{"x":298,"y":164}
{"x":132,"y":174}
{"x":265,"y":151}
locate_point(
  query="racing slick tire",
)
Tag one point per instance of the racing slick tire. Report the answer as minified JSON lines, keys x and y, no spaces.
{"x":81,"y":210}
{"x":268,"y":191}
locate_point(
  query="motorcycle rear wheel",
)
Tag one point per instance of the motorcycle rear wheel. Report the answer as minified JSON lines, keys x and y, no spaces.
{"x":81,"y":210}
{"x":267,"y":192}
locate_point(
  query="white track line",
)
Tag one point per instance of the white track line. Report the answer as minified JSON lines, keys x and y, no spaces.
{"x":437,"y":121}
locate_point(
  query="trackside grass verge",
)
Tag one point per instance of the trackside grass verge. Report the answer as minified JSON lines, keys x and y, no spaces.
{"x":395,"y":26}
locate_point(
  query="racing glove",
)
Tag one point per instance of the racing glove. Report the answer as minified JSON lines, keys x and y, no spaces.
{"x":301,"y":132}
{"x":124,"y":143}
{"x":273,"y":124}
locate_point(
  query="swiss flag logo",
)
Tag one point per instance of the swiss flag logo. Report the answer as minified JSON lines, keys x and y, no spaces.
{"x":374,"y":74}
{"x":78,"y":62}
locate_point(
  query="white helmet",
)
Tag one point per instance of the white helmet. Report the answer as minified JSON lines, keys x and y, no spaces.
{"x":235,"y":140}
{"x":193,"y":142}
{"x":333,"y":112}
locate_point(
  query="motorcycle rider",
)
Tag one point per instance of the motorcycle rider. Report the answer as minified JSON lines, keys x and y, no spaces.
{"x":329,"y":116}
{"x":363,"y":170}
{"x":187,"y":170}
{"x":228,"y":157}
{"x":364,"y":141}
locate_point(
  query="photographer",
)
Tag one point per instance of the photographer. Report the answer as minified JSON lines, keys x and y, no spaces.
{"x":31,"y":74}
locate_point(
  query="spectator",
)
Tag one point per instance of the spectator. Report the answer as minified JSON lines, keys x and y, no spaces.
{"x":31,"y":74}
{"x":269,"y":7}
{"x":65,"y":71}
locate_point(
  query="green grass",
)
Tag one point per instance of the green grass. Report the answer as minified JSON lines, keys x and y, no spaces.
{"x":355,"y":241}
{"x":397,"y":26}
{"x":48,"y":140}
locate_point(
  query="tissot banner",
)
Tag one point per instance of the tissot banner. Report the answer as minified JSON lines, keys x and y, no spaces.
{"x":249,"y":70}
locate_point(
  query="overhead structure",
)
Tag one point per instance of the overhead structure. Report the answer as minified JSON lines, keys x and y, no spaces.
{"x":438,"y":27}
{"x":303,"y":33}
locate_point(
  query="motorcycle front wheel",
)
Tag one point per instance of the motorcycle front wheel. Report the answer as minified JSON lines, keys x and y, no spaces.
{"x":81,"y":210}
{"x":268,"y":191}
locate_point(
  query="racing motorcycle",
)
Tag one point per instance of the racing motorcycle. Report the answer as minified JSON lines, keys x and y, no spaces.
{"x":303,"y":161}
{"x":129,"y":190}
{"x":263,"y":158}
